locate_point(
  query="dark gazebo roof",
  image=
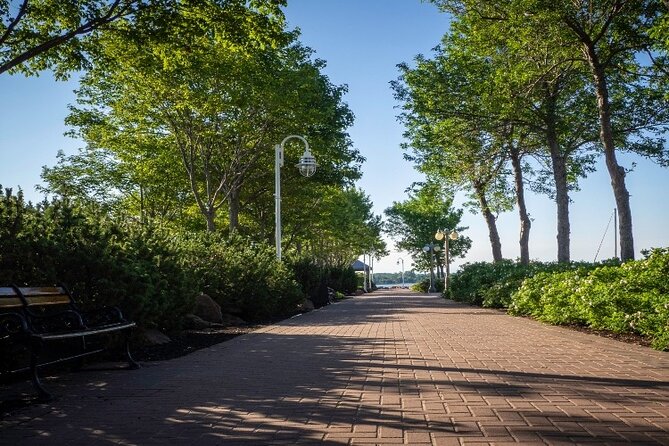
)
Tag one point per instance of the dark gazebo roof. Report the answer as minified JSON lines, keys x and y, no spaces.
{"x":359,"y":266}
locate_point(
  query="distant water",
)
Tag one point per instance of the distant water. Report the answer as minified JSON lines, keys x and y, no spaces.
{"x":391,"y":285}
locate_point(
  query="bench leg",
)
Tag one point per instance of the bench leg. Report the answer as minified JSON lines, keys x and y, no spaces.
{"x":132,"y":364}
{"x":42,"y":395}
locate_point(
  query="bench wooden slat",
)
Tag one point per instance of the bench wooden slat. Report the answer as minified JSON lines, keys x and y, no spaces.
{"x":45,"y":295}
{"x":54,"y":299}
{"x":7,"y":291}
{"x":41,"y":290}
{"x":10,"y":302}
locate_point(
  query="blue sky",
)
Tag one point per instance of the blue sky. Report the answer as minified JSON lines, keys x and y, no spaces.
{"x":362,"y":42}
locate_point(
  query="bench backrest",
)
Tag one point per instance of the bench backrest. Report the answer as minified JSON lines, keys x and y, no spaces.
{"x":45,"y":295}
{"x":9,"y":298}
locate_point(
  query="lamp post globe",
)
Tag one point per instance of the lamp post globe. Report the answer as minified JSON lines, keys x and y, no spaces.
{"x":306,"y":166}
{"x":445,"y":235}
{"x":398,"y":262}
{"x":430,"y":247}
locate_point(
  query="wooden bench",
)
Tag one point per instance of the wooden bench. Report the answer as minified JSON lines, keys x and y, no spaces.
{"x":48,"y":322}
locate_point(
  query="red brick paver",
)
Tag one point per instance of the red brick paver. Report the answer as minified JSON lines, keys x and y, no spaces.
{"x":388,"y":368}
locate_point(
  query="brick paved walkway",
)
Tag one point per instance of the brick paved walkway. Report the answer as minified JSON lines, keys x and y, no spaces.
{"x":389,"y":368}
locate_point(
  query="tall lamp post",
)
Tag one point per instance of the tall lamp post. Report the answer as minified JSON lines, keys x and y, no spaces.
{"x":398,"y":262}
{"x":445,"y":235}
{"x":306,"y":166}
{"x":431,"y":248}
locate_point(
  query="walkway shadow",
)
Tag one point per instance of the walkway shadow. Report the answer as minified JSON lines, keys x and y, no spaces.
{"x":330,"y":371}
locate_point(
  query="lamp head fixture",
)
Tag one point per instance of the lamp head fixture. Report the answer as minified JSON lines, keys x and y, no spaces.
{"x":307,"y":165}
{"x":441,"y":234}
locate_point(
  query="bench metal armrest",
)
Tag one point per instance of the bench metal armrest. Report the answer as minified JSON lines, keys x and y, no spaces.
{"x":68,"y":320}
{"x":102,"y":317}
{"x":12,"y":324}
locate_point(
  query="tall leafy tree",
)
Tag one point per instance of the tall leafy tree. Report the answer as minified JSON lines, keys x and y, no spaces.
{"x":610,"y":35}
{"x":548,"y":101}
{"x":449,"y":138}
{"x":138,"y":180}
{"x":219,"y":105}
{"x":414,"y":222}
{"x":606,"y":38}
{"x":522,"y":101}
{"x":342,"y":228}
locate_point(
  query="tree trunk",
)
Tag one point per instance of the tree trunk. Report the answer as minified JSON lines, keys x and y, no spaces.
{"x":616,"y":172}
{"x":559,"y":165}
{"x":491,"y":222}
{"x":142,"y":211}
{"x":210,"y":216}
{"x":525,"y":222}
{"x":233,"y":209}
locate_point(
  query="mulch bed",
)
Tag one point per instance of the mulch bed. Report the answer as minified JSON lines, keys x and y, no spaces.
{"x":190,"y":341}
{"x":630,"y":338}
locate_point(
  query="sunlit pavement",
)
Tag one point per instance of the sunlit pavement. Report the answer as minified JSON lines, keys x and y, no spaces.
{"x":387,"y":368}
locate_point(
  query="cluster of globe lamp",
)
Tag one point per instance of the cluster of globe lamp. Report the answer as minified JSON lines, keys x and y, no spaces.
{"x":444,"y":235}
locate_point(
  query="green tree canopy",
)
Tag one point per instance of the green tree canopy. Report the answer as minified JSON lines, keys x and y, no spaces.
{"x":414,"y":222}
{"x":62,"y":34}
{"x":196,"y":96}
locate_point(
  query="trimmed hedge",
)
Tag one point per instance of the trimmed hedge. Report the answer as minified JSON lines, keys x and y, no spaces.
{"x":244,"y":278}
{"x":424,"y":285}
{"x":102,"y":262}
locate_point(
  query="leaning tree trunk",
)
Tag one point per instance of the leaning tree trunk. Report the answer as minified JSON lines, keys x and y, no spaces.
{"x":490,"y":220}
{"x":616,"y":172}
{"x":525,"y":222}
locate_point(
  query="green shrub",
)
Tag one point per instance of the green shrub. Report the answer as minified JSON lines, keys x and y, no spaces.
{"x":633,"y":297}
{"x":151,"y":273}
{"x":424,"y":285}
{"x":343,"y":279}
{"x":102,"y":262}
{"x":549,"y":297}
{"x":492,"y":284}
{"x":243,"y":278}
{"x":469,"y":284}
{"x":314,"y":278}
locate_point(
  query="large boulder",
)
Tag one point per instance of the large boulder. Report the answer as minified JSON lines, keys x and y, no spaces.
{"x":232,"y":320}
{"x":152,"y":336}
{"x":195,"y":322}
{"x":305,"y":306}
{"x":207,"y":309}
